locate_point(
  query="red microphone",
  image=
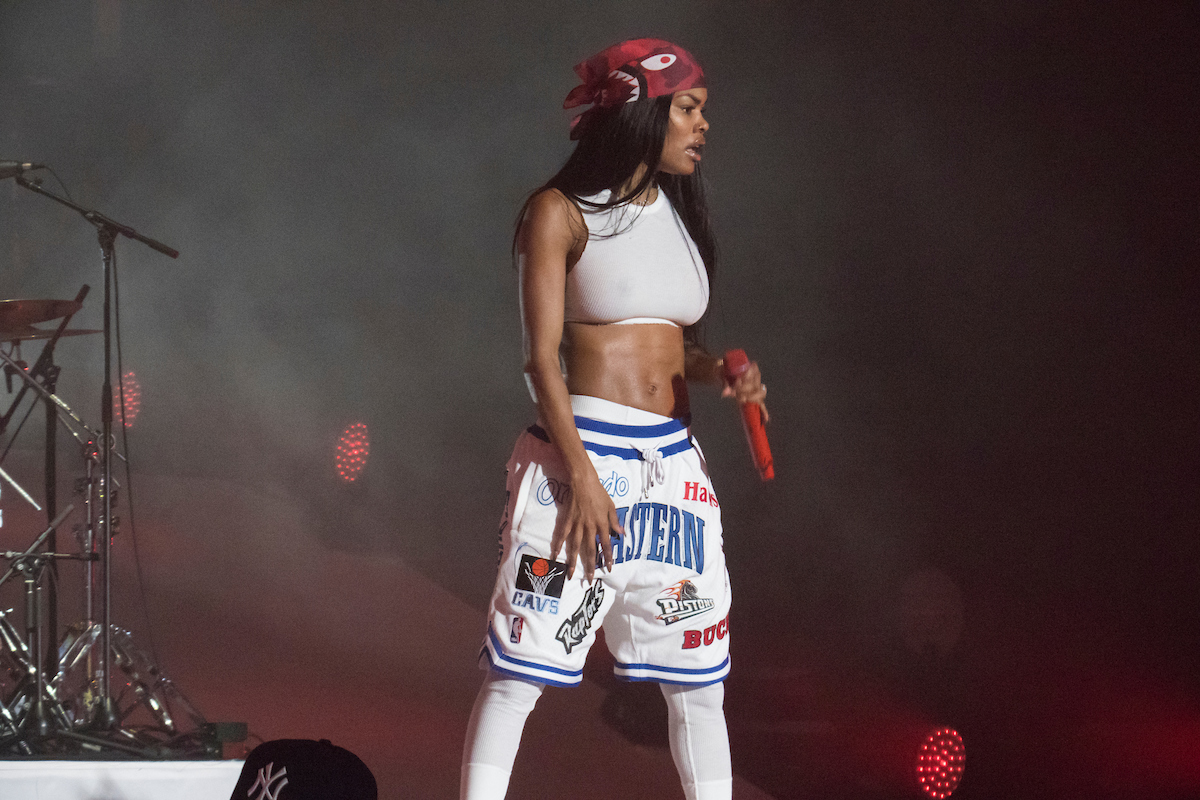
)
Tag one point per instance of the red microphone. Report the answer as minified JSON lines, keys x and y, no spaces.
{"x":737,"y":363}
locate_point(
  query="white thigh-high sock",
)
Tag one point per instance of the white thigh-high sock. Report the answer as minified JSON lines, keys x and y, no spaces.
{"x":700,"y":740}
{"x":494,"y":734}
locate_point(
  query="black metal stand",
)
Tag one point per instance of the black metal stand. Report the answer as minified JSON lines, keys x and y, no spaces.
{"x":104,"y":728}
{"x":106,"y":716}
{"x":51,"y":468}
{"x":37,"y":722}
{"x":43,"y":361}
{"x":47,"y":371}
{"x":107,"y":231}
{"x":43,"y":723}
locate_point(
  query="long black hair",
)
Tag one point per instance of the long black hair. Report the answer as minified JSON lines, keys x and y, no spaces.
{"x":614,"y":142}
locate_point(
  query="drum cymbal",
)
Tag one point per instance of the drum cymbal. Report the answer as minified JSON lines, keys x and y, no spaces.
{"x":23,"y":313}
{"x":29,"y":333}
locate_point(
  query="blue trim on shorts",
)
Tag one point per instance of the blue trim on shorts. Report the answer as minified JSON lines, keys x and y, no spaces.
{"x":530,"y":664}
{"x":627,"y":453}
{"x":647,"y":679}
{"x":676,"y":670}
{"x":633,"y":431}
{"x":722,"y":668}
{"x":525,"y":676}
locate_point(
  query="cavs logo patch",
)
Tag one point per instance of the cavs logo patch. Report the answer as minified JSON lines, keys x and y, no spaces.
{"x":681,"y":602}
{"x":541,"y":576}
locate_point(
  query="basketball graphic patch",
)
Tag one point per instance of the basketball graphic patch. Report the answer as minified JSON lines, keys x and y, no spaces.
{"x":541,"y":576}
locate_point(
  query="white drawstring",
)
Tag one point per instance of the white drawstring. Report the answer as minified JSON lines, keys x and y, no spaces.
{"x":654,"y":471}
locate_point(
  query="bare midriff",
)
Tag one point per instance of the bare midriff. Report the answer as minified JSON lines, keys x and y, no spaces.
{"x":641,"y":366}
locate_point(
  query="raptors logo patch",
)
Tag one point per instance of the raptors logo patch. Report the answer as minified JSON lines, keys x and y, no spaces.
{"x":681,"y":602}
{"x":572,"y":632}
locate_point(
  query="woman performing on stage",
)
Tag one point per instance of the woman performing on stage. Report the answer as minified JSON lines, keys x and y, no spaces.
{"x":611,"y":517}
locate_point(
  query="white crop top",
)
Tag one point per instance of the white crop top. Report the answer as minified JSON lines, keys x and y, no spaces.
{"x":650,"y":271}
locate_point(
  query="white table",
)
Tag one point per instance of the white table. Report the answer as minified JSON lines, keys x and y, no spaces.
{"x":118,"y":780}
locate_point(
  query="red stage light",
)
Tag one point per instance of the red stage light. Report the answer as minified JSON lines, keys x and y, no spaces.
{"x":940,"y":763}
{"x":133,"y":399}
{"x":353,"y":448}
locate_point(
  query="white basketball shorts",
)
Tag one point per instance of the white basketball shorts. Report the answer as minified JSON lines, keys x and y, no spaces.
{"x":664,"y":604}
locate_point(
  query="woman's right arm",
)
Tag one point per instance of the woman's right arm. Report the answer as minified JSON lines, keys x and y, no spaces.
{"x":552,"y":234}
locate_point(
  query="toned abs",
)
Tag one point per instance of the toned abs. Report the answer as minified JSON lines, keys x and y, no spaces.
{"x":635,"y":365}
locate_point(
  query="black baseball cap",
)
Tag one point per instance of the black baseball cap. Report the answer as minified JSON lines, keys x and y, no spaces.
{"x":303,"y":769}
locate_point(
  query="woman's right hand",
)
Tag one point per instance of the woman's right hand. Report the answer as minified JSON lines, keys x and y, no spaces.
{"x":588,"y":514}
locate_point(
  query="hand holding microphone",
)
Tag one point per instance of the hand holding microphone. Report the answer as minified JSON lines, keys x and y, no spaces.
{"x":753,"y":416}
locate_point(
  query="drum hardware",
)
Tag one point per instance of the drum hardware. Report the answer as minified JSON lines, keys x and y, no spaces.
{"x":18,"y":660}
{"x":55,"y":703}
{"x":16,"y":314}
{"x":62,"y":701}
{"x":20,"y":490}
{"x":107,"y":230}
{"x":24,"y":313}
{"x":72,"y":422}
{"x":146,"y":690}
{"x":38,"y":710}
{"x":57,"y":410}
{"x":44,"y":368}
{"x":30,"y":333}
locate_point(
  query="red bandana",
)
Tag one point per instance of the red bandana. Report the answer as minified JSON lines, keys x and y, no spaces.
{"x":620,"y":73}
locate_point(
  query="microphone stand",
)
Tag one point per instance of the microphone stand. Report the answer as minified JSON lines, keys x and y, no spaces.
{"x":107,"y":231}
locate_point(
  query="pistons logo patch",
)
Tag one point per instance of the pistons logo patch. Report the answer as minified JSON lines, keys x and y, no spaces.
{"x":682,"y":601}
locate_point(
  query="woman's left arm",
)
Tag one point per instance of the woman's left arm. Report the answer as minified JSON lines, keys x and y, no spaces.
{"x":701,"y":366}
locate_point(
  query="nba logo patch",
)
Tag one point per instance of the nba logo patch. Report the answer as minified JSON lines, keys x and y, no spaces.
{"x":514,"y":633}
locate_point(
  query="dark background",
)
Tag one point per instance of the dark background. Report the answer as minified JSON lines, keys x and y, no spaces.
{"x":959,"y":237}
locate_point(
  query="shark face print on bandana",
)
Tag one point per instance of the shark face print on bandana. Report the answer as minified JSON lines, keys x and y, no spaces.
{"x":629,"y":71}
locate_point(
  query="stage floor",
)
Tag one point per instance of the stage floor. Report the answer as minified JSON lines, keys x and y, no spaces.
{"x":127,"y":780}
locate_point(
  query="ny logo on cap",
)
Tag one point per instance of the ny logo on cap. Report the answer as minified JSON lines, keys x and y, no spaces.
{"x":266,"y":783}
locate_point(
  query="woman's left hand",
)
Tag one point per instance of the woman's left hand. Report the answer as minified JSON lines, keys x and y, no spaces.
{"x":749,"y":388}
